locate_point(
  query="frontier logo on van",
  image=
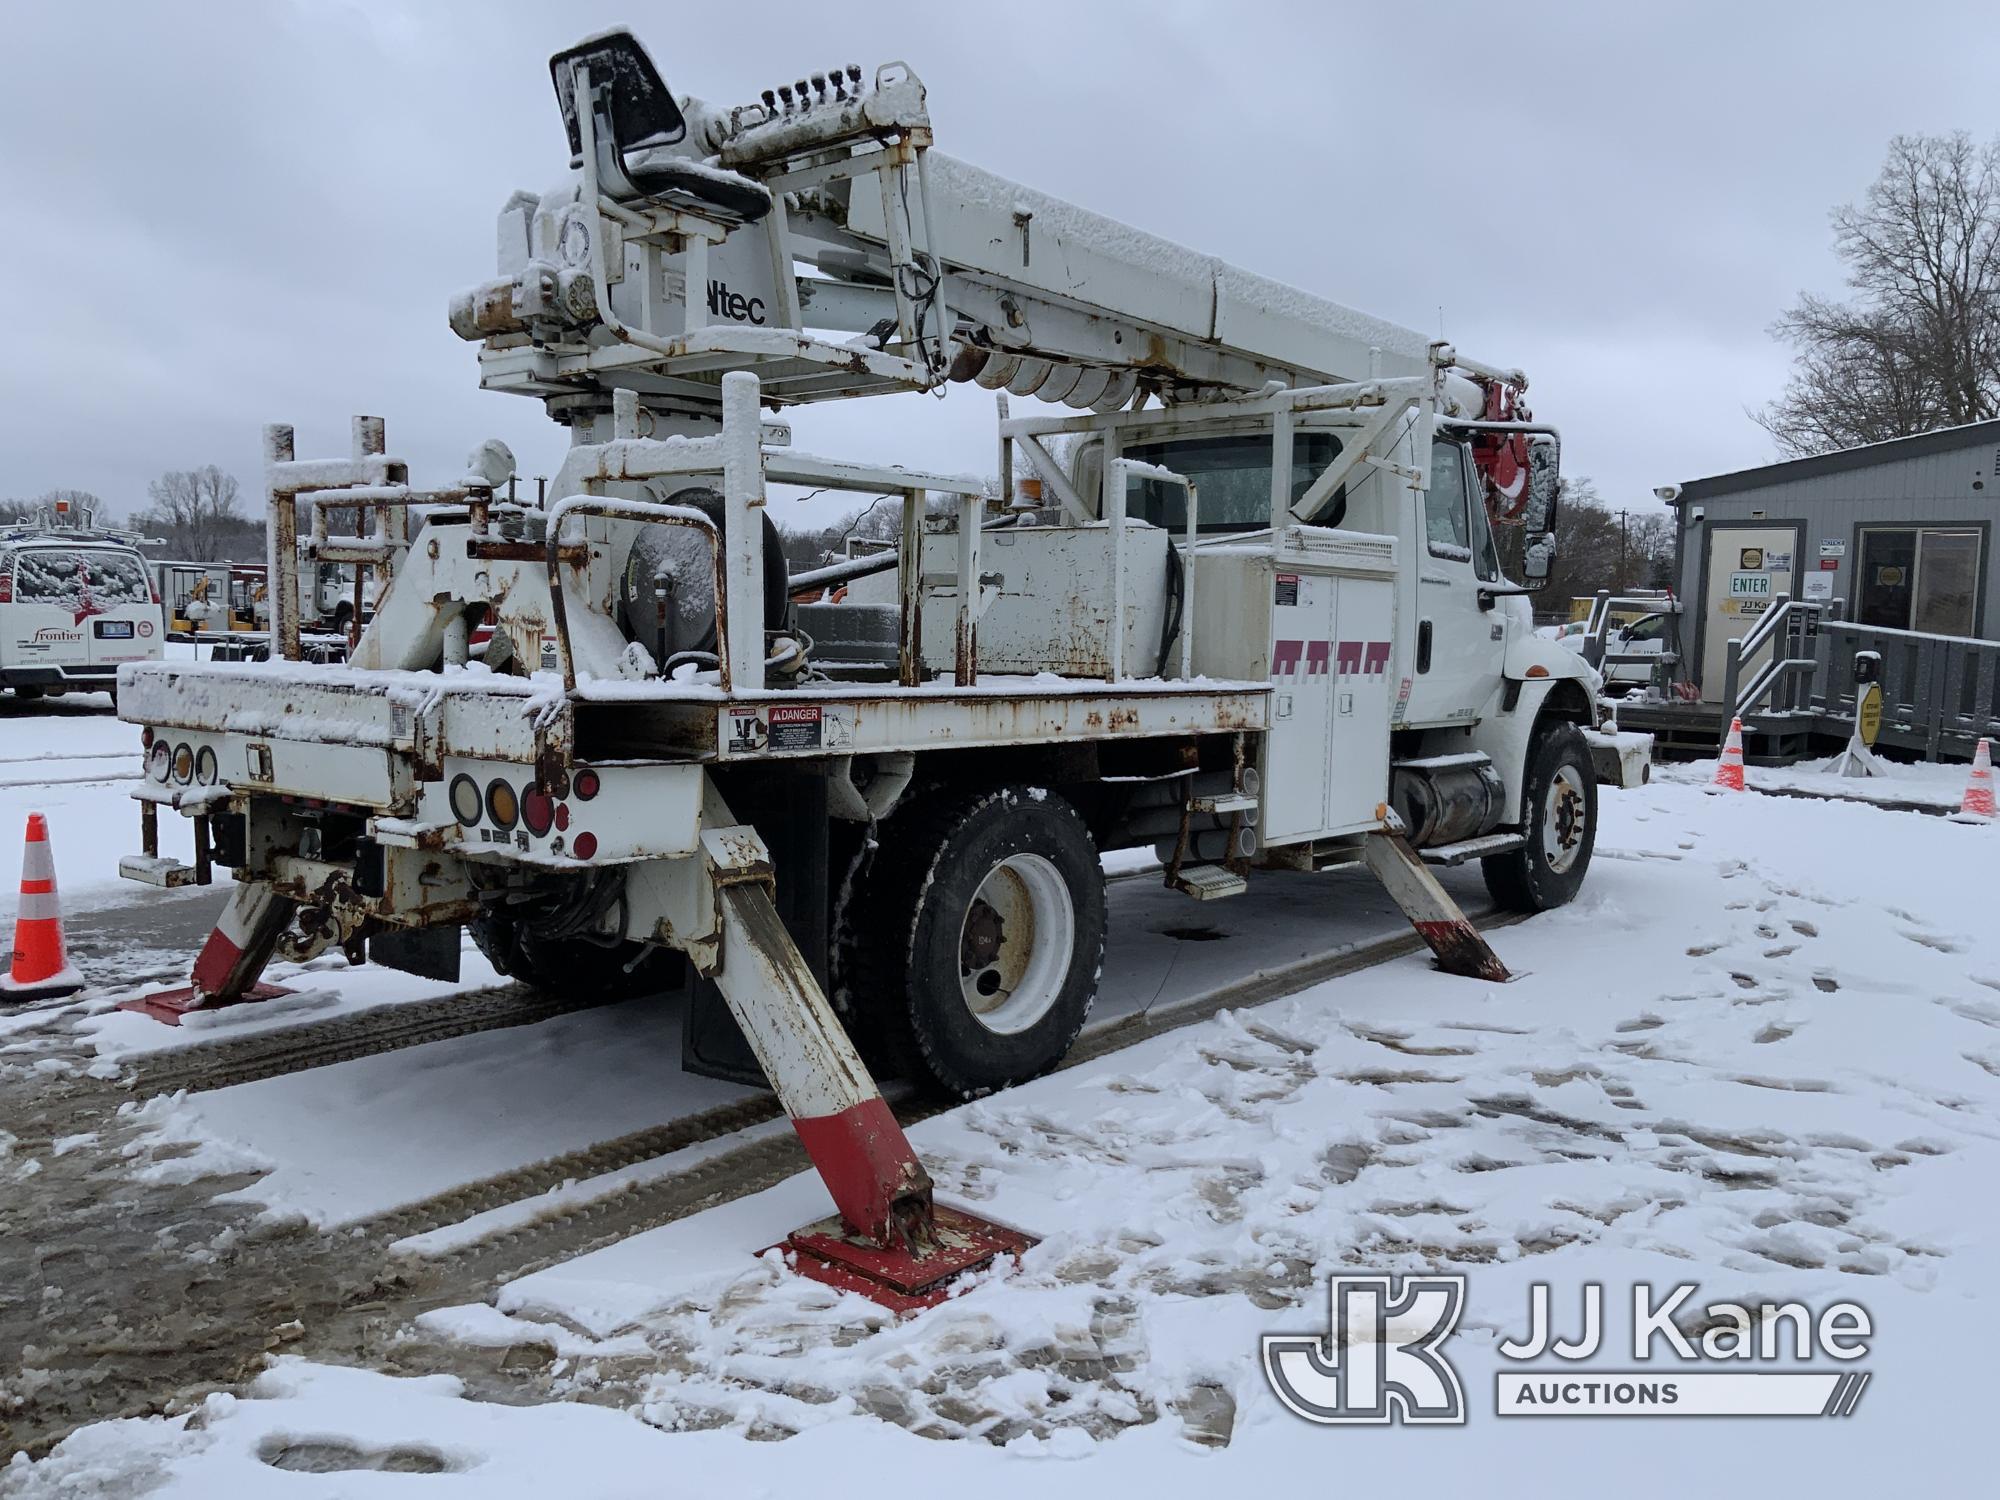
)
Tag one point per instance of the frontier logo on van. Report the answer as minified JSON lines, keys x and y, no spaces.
{"x":50,"y":634}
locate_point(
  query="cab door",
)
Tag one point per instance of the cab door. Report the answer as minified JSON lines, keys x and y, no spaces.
{"x":1455,"y":663}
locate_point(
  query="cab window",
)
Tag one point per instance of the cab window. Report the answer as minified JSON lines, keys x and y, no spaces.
{"x":1232,"y":474}
{"x":1447,"y":520}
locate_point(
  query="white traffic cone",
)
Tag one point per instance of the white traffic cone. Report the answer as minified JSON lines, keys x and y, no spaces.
{"x":1729,"y":770}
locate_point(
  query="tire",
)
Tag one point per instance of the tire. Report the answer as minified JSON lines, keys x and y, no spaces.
{"x":343,"y":616}
{"x":29,"y":694}
{"x":968,"y":949}
{"x":574,"y":965}
{"x":1559,"y":817}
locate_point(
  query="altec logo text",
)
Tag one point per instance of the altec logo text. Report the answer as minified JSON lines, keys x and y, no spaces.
{"x":1382,"y":1358}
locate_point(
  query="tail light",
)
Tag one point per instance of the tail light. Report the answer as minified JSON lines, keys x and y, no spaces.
{"x":6,"y":585}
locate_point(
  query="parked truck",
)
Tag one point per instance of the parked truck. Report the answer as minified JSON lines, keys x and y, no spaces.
{"x":1253,"y":618}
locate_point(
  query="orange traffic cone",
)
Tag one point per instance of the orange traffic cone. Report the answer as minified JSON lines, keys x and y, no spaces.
{"x":41,"y":968}
{"x":1978,"y":801}
{"x":1729,"y":770}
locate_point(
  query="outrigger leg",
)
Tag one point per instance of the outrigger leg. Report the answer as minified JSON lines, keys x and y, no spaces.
{"x":889,"y":1241}
{"x":1438,"y":919}
{"x":226,"y":969}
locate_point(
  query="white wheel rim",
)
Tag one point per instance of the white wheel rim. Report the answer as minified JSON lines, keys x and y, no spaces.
{"x":1565,"y":819}
{"x":1015,"y":943}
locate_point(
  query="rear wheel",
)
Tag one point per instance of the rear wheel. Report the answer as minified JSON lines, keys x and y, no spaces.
{"x":970,"y":946}
{"x":28,"y":694}
{"x":1559,"y":818}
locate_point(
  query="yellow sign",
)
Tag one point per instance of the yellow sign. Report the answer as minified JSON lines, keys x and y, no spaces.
{"x":1868,"y":714}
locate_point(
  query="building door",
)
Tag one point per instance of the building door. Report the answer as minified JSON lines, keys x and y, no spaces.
{"x":1918,"y":578}
{"x":1748,"y":567}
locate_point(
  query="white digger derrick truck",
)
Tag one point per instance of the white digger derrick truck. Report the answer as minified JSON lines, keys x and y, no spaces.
{"x":1253,"y":618}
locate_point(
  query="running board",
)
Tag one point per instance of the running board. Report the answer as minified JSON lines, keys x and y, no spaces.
{"x":1453,"y":855}
{"x":1209,"y":882}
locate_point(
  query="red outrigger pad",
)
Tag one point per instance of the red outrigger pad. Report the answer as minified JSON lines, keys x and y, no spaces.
{"x":901,"y":1280}
{"x":170,"y":1005}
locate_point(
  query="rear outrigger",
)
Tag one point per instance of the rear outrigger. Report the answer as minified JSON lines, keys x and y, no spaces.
{"x":1259,"y":623}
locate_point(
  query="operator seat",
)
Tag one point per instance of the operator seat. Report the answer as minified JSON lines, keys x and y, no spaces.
{"x":729,"y":198}
{"x":633,"y":116}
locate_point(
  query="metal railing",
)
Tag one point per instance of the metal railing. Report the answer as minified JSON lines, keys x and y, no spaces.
{"x":1935,"y":688}
{"x":1792,"y":628}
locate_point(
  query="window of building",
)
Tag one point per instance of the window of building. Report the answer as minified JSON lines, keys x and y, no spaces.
{"x":1918,"y":578}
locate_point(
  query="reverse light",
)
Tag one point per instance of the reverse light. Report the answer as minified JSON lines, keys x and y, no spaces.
{"x":160,"y":761}
{"x":205,"y":769}
{"x":465,"y":800}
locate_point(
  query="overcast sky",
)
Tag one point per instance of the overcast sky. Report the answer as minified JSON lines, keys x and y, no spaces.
{"x":220,"y":215}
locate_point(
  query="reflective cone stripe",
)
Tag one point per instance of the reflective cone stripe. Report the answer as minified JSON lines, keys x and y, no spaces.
{"x":1978,"y":801}
{"x":41,"y":964}
{"x":1729,"y":770}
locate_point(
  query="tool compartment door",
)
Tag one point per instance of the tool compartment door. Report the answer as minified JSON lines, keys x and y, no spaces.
{"x":1357,"y":743}
{"x":1295,"y":748}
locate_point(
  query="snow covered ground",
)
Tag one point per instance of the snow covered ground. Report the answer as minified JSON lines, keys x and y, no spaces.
{"x":1920,"y":783}
{"x":1762,"y":1053}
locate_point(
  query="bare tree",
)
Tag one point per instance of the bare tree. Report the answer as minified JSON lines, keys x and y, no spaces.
{"x":1918,"y":347}
{"x":196,"y":510}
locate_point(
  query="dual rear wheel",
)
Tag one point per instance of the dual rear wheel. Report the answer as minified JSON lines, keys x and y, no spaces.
{"x":968,"y":943}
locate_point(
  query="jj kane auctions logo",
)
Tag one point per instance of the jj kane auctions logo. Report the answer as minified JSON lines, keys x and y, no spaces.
{"x":1382,"y":1358}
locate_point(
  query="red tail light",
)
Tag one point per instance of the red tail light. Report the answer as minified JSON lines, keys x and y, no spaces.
{"x":6,"y":585}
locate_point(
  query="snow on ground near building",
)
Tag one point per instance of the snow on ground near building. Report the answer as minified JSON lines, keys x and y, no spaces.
{"x":1924,"y":783}
{"x":1761,"y":1053}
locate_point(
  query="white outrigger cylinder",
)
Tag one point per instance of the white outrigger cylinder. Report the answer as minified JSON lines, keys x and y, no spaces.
{"x":1248,"y":612}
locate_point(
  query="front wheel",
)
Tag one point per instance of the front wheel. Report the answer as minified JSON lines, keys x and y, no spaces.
{"x":971,"y":947}
{"x":1559,"y":819}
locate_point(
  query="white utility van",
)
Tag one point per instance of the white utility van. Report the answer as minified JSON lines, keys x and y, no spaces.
{"x":75,"y":602}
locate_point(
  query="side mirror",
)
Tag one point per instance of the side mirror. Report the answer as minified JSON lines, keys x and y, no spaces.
{"x":1538,"y":519}
{"x":630,"y":97}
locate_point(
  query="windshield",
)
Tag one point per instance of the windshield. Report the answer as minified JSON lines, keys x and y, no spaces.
{"x":80,"y":581}
{"x":1232,"y":474}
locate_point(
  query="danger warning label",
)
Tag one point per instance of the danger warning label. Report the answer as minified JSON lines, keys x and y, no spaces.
{"x":796,"y":727}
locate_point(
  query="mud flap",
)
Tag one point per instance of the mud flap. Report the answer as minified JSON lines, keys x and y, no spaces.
{"x":427,"y":952}
{"x":791,"y":819}
{"x":712,"y":1044}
